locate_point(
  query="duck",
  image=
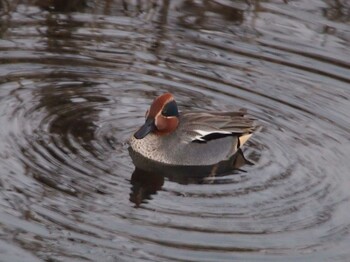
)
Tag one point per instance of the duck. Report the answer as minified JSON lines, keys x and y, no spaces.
{"x":170,"y":137}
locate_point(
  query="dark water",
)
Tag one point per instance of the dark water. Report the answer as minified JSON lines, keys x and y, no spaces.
{"x":75,"y":80}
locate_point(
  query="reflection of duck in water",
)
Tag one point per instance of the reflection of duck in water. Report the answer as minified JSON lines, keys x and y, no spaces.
{"x":146,"y":182}
{"x":203,"y":143}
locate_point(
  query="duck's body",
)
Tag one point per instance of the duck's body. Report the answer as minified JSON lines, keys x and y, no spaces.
{"x":190,"y":138}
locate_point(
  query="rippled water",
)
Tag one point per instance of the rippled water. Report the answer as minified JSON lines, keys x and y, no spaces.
{"x":75,"y":80}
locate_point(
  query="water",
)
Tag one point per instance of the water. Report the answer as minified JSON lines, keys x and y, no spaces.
{"x":76,"y":79}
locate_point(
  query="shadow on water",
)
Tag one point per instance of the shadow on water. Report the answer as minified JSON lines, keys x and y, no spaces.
{"x":61,"y":5}
{"x":208,"y":14}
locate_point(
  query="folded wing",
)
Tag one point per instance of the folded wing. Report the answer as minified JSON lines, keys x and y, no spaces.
{"x":204,"y":127}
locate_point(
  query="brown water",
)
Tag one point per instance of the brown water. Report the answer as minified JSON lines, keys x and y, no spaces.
{"x":75,"y":80}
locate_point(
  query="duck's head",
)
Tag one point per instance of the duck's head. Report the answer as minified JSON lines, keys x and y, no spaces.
{"x":162,"y":118}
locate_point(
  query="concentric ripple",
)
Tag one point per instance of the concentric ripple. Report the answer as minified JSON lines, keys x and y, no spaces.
{"x":76,"y":80}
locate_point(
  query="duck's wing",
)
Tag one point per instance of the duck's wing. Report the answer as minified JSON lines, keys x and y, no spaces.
{"x":201,"y":127}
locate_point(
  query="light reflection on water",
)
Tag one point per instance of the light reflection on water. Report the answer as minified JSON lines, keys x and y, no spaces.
{"x":76,"y":79}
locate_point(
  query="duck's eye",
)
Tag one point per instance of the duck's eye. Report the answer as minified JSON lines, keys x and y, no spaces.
{"x":170,"y":109}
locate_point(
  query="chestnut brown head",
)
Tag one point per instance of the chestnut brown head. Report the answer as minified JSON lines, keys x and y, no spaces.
{"x":162,"y":118}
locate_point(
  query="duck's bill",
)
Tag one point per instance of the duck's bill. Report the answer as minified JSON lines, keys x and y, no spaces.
{"x":144,"y":130}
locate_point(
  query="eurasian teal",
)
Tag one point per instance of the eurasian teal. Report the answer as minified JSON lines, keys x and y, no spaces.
{"x":190,"y":138}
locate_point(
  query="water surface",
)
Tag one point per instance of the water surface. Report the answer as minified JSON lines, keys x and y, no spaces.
{"x":76,"y":78}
